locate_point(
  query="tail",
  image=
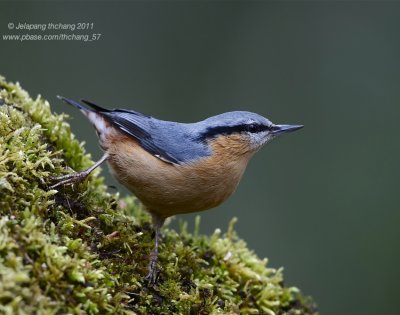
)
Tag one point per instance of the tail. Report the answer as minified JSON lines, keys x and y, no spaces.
{"x":95,"y":114}
{"x":92,"y":107}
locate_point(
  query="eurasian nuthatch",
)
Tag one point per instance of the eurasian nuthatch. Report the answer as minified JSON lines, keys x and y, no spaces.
{"x":176,"y":167}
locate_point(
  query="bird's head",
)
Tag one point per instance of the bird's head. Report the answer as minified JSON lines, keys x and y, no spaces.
{"x":244,"y":131}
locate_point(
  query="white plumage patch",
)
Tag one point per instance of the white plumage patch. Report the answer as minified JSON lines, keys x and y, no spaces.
{"x":102,"y":127}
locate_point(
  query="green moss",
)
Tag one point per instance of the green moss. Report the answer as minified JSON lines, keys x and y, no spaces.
{"x":81,"y":250}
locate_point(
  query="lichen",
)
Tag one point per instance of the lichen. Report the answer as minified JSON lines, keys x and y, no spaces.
{"x":82,"y":250}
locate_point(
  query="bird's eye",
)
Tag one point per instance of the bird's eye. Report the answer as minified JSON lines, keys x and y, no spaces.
{"x":253,"y":128}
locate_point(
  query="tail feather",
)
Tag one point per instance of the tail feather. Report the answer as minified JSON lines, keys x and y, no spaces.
{"x":92,"y":107}
{"x":74,"y":103}
{"x":95,"y":114}
{"x":95,"y":106}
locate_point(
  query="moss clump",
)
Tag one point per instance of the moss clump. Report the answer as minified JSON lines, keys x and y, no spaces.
{"x":81,"y":250}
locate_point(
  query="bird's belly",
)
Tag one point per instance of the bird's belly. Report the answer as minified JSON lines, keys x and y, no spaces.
{"x":167,"y":189}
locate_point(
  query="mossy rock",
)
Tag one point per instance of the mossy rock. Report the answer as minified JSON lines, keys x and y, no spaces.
{"x":82,"y":250}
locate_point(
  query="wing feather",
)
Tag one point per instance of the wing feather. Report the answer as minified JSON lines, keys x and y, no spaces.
{"x":137,"y":126}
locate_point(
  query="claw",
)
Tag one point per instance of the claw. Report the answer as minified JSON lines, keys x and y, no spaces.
{"x":153,"y":272}
{"x":77,"y":177}
{"x":69,"y":179}
{"x":152,"y":276}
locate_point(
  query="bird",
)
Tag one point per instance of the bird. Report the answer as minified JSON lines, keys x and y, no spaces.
{"x":174,"y":167}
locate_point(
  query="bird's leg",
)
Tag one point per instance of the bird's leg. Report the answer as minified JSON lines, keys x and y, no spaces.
{"x":77,"y":177}
{"x":152,"y":275}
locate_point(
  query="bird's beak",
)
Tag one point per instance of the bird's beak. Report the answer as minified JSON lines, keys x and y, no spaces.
{"x":280,"y":129}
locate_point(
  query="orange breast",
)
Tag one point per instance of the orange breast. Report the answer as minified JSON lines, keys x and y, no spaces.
{"x":167,"y":189}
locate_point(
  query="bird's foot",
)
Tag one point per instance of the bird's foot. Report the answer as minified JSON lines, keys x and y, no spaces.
{"x":153,"y":274}
{"x":68,"y":179}
{"x":77,"y":177}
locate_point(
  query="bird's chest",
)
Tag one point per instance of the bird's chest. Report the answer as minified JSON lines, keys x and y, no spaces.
{"x":171,"y":189}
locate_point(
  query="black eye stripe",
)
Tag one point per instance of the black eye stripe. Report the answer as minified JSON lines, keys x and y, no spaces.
{"x":227,"y":130}
{"x":254,"y":128}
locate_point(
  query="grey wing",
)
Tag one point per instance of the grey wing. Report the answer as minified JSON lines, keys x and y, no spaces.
{"x":139,"y":127}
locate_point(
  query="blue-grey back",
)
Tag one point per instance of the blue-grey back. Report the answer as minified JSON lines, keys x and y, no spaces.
{"x":180,"y":140}
{"x":172,"y":142}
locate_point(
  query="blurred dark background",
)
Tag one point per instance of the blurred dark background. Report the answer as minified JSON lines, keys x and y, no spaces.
{"x":322,"y":202}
